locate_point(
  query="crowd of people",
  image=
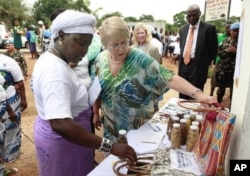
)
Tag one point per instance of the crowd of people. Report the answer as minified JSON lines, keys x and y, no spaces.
{"x":125,"y":70}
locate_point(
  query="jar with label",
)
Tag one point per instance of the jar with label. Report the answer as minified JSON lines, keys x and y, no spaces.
{"x":183,"y":123}
{"x":176,"y":136}
{"x":192,"y":138}
{"x":122,"y":138}
{"x":187,"y":117}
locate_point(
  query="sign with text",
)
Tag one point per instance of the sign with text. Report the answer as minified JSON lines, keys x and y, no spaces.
{"x":217,"y":9}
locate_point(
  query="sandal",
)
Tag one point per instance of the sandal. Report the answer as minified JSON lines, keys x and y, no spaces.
{"x":9,"y":172}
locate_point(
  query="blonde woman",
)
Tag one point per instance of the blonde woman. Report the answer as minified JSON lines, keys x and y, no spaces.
{"x":142,"y":38}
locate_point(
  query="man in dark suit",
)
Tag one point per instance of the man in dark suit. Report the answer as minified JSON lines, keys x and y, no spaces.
{"x":203,"y":49}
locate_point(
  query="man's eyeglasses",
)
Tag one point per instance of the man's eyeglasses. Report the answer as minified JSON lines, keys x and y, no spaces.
{"x":117,"y":46}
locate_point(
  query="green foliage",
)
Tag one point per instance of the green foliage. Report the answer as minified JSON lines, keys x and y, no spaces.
{"x":12,"y":9}
{"x":179,"y":19}
{"x":130,"y":19}
{"x":146,"y":18}
{"x":15,"y":9}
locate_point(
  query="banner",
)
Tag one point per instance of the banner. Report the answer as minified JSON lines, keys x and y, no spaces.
{"x":217,"y":9}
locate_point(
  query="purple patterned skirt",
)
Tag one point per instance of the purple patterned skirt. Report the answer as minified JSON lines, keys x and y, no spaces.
{"x":59,"y":157}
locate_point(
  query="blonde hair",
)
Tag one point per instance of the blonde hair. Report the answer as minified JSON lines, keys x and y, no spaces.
{"x":147,"y":30}
{"x":113,"y":28}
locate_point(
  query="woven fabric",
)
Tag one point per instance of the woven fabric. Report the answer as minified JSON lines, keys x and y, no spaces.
{"x":213,"y":143}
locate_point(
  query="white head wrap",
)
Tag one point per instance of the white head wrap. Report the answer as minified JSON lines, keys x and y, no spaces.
{"x":71,"y":21}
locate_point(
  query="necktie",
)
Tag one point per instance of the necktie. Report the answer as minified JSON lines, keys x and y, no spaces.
{"x":189,"y":44}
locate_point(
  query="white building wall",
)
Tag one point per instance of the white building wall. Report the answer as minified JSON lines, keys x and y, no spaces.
{"x":240,"y":142}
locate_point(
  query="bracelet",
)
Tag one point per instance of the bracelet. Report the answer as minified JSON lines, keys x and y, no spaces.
{"x":194,"y":92}
{"x":106,"y":146}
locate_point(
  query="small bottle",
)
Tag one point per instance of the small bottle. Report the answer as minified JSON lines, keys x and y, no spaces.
{"x":192,"y":138}
{"x":183,"y":123}
{"x":173,"y":119}
{"x":195,"y":123}
{"x":187,"y":117}
{"x":180,"y":114}
{"x":176,"y":136}
{"x":199,"y":118}
{"x":192,"y":116}
{"x":122,"y":138}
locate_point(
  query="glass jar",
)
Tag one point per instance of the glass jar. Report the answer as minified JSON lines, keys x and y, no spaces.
{"x":184,"y":131}
{"x":199,"y":118}
{"x":193,"y":116}
{"x":188,"y":122}
{"x":180,"y":114}
{"x":176,"y":136}
{"x":192,"y":138}
{"x":122,"y":138}
{"x":183,"y":123}
{"x":172,"y":120}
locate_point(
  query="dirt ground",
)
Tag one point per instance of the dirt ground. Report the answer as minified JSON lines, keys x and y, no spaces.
{"x":27,"y":163}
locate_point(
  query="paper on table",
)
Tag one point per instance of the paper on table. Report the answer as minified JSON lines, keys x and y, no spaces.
{"x":184,"y":161}
{"x":145,"y":139}
{"x":94,"y":91}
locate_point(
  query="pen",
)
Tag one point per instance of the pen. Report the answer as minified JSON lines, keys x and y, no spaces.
{"x":154,"y":127}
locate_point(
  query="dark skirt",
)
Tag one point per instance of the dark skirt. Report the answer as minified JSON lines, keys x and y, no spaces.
{"x":32,"y":47}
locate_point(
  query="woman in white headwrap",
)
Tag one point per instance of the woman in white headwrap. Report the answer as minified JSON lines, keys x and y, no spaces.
{"x":63,"y":140}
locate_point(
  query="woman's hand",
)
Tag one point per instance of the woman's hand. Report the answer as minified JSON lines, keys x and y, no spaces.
{"x":200,"y":96}
{"x":125,"y":151}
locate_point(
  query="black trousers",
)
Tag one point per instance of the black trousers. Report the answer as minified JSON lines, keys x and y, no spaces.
{"x":188,"y":72}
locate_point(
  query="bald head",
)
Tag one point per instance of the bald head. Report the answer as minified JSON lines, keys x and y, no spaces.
{"x":193,"y":14}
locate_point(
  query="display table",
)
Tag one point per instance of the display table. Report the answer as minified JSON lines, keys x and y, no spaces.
{"x":151,"y":137}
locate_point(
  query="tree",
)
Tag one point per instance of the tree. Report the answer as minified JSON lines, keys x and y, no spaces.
{"x":12,"y":9}
{"x":179,"y":19}
{"x":43,"y":8}
{"x":130,"y":19}
{"x":146,"y":18}
{"x":81,"y":5}
{"x":99,"y":22}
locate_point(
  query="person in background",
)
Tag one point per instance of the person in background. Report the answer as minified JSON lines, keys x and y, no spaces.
{"x":46,"y":38}
{"x":31,"y":37}
{"x":156,"y":41}
{"x":224,"y":70}
{"x":221,"y":38}
{"x":131,"y":81}
{"x":17,"y":34}
{"x":163,"y":41}
{"x":17,"y":56}
{"x":62,"y":102}
{"x":194,"y":68}
{"x":39,"y":32}
{"x":176,"y":52}
{"x":15,"y":89}
{"x":142,"y":40}
{"x":6,"y":111}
